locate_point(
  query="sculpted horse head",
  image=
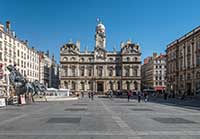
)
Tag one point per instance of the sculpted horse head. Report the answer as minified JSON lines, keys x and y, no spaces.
{"x":39,"y":87}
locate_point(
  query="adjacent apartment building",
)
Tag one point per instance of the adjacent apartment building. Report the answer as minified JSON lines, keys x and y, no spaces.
{"x":49,"y":70}
{"x":183,"y":64}
{"x":154,"y":73}
{"x":100,"y":70}
{"x":14,"y":51}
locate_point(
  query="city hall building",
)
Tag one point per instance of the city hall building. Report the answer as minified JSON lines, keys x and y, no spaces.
{"x":100,"y":70}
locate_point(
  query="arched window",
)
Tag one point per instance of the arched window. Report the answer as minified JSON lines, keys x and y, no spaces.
{"x":127,"y":59}
{"x":82,"y":71}
{"x":110,"y":59}
{"x":90,"y":85}
{"x":198,"y":75}
{"x":135,"y":59}
{"x":127,"y":71}
{"x":118,"y":85}
{"x":188,"y":76}
{"x":135,"y":69}
{"x":89,"y":71}
{"x":65,"y":59}
{"x":65,"y":84}
{"x":73,"y":59}
{"x":82,"y":86}
{"x":82,"y":59}
{"x":73,"y":85}
{"x":100,"y":71}
{"x":110,"y":72}
{"x":111,"y":85}
{"x":118,"y":70}
{"x":73,"y":71}
{"x":90,"y":59}
{"x":66,"y":72}
{"x":128,"y":85}
{"x":136,"y":85}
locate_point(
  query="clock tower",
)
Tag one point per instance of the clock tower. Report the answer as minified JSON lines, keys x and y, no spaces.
{"x":100,"y":36}
{"x":100,"y":41}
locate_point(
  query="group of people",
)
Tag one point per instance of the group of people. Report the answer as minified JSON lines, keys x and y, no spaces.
{"x":140,"y":96}
{"x":143,"y":95}
{"x":90,"y":95}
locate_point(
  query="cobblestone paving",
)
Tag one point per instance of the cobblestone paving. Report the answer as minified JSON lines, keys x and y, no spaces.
{"x":102,"y":118}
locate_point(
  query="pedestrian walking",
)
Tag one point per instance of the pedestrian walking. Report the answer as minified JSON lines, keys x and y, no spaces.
{"x":89,"y":94}
{"x":111,"y":94}
{"x":78,"y":95}
{"x":165,"y":95}
{"x":92,"y":95}
{"x":145,"y":96}
{"x":139,"y":96}
{"x":82,"y":94}
{"x":129,"y":95}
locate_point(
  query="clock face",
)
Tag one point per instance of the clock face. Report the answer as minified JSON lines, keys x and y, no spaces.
{"x":100,"y":54}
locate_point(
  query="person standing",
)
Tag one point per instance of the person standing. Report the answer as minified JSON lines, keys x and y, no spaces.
{"x":145,"y":96}
{"x":89,"y":94}
{"x":139,"y":96}
{"x":165,"y":95}
{"x":82,"y":94}
{"x":92,"y":95}
{"x":129,"y":95}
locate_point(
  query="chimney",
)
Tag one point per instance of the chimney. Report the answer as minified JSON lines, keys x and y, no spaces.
{"x":154,"y":55}
{"x":7,"y":26}
{"x":52,"y":57}
{"x":47,"y":53}
{"x":122,"y":45}
{"x":26,"y":42}
{"x":78,"y":45}
{"x":13,"y":34}
{"x":1,"y":27}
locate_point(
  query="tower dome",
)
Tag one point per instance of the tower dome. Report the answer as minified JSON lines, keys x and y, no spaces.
{"x":100,"y":26}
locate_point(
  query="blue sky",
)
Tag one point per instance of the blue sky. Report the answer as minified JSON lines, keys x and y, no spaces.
{"x":48,"y":24}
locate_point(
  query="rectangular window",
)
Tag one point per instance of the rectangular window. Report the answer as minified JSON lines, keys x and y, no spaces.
{"x":1,"y":35}
{"x":198,"y":60}
{"x":1,"y":56}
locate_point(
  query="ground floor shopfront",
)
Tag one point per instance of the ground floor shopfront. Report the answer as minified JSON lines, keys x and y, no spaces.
{"x":185,"y":82}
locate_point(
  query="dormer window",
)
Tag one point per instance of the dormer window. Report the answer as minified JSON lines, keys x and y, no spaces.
{"x":127,"y":59}
{"x":73,"y":59}
{"x":82,"y":59}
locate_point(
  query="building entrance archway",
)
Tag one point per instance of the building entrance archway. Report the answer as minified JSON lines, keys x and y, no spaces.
{"x":100,"y":87}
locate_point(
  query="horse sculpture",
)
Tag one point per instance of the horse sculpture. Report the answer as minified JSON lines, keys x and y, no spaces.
{"x":39,"y":88}
{"x":19,"y":82}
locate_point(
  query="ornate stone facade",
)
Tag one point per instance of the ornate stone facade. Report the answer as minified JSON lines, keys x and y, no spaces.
{"x":100,"y":70}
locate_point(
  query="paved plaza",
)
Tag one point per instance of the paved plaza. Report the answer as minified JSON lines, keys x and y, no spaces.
{"x":102,"y":118}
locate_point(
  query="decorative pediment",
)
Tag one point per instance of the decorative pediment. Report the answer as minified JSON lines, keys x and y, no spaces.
{"x":70,"y":49}
{"x":130,"y":48}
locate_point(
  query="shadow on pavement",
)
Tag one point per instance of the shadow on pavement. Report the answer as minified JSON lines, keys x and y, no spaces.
{"x":189,"y":103}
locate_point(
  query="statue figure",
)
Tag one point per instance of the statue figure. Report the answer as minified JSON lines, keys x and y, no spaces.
{"x":39,"y":88}
{"x":19,"y":82}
